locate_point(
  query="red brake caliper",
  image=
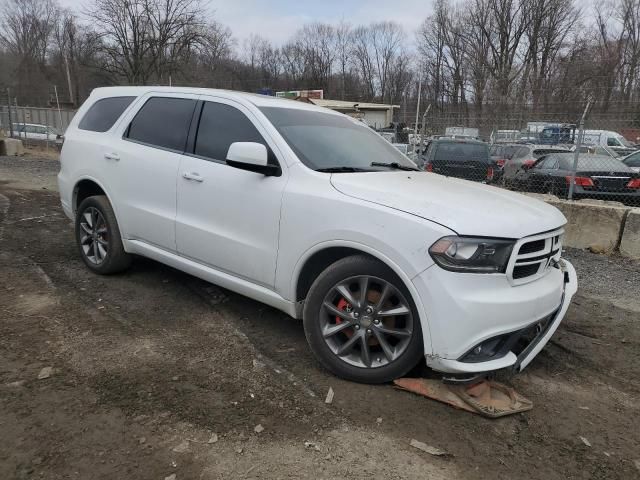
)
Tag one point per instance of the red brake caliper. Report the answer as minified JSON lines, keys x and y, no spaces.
{"x":342,"y":305}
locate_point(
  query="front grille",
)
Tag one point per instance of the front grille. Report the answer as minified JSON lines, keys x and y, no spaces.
{"x":532,"y":247}
{"x":534,"y":256}
{"x":523,"y":271}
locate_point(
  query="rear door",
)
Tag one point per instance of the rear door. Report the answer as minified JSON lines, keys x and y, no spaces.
{"x":141,"y":165}
{"x":228,"y":218}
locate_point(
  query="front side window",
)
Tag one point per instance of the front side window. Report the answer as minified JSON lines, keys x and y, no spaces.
{"x":220,"y":126}
{"x":163,"y":122}
{"x":612,"y":142}
{"x":328,"y":141}
{"x":103,"y":114}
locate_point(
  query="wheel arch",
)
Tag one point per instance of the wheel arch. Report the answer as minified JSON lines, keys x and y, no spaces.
{"x":319,"y":257}
{"x":86,"y":187}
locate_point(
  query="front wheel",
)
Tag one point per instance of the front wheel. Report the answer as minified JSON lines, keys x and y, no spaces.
{"x":361,"y":322}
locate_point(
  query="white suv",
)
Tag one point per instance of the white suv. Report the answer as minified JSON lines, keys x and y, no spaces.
{"x":313,"y":213}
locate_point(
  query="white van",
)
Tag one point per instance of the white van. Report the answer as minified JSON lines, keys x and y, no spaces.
{"x":608,"y":138}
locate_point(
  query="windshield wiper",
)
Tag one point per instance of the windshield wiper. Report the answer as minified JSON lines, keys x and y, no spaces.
{"x":395,"y":166}
{"x":341,"y":169}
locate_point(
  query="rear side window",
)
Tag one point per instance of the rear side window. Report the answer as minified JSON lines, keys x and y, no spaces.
{"x":163,"y":122}
{"x":220,"y":126}
{"x":103,"y":114}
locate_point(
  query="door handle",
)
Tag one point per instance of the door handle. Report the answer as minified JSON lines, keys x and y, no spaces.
{"x":112,"y":156}
{"x":192,"y":176}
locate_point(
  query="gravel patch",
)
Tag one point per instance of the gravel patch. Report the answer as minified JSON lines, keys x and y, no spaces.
{"x":30,"y":172}
{"x":610,"y":278}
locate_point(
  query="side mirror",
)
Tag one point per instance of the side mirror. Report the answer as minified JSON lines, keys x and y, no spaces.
{"x":253,"y":157}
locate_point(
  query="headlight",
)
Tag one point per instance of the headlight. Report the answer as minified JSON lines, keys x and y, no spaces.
{"x":473,"y":255}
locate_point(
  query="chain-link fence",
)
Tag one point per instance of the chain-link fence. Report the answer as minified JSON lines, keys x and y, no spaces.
{"x":572,"y":155}
{"x":35,"y":127}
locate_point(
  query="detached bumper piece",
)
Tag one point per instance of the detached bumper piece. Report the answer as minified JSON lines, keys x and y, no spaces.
{"x":486,"y":398}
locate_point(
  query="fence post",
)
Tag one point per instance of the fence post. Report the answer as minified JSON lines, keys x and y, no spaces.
{"x":9,"y":110}
{"x":572,"y":178}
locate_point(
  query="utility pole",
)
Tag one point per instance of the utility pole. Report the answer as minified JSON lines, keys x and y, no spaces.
{"x":423,"y":130}
{"x":576,"y":154}
{"x":55,"y":89}
{"x":415,"y":130}
{"x":66,"y":64}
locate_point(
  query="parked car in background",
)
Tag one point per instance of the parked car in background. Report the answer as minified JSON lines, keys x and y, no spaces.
{"x":525,"y":156}
{"x":460,"y":158}
{"x":597,"y":150}
{"x":633,"y":161}
{"x":505,"y":136}
{"x":402,"y":147}
{"x":311,"y":212}
{"x":464,"y":132}
{"x":558,"y":134}
{"x":597,"y":176}
{"x":610,"y":139}
{"x":34,"y":131}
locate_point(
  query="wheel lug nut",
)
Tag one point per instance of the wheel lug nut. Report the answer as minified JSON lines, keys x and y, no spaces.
{"x":369,"y":310}
{"x":356,"y":314}
{"x":376,"y":321}
{"x":368,"y":331}
{"x":357,"y":327}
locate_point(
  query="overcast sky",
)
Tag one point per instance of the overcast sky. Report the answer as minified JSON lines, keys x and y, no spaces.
{"x":277,"y":19}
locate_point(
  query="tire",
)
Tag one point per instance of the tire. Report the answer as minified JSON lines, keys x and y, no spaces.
{"x":111,"y":257}
{"x":374,"y":326}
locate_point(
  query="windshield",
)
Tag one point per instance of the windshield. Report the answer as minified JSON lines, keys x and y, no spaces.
{"x":624,"y":141}
{"x":328,"y":141}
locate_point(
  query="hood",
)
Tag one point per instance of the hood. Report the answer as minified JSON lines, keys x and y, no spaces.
{"x":467,"y":208}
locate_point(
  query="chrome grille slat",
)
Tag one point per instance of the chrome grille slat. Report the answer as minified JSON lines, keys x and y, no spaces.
{"x":539,"y":251}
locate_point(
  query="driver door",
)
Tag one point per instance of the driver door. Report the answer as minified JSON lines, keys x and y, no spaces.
{"x":228,"y":218}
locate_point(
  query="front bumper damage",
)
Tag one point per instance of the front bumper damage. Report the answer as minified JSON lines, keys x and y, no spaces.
{"x":514,"y":349}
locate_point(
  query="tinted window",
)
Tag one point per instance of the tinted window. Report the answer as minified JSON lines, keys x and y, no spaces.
{"x":327,"y":140}
{"x":103,"y":114}
{"x":633,"y":161}
{"x":461,"y":152}
{"x":509,"y":151}
{"x":592,"y":163}
{"x":549,"y":163}
{"x":163,"y":122}
{"x":220,"y":126}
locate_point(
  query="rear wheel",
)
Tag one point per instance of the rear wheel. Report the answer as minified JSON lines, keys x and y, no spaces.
{"x":98,"y":237}
{"x":361,"y":322}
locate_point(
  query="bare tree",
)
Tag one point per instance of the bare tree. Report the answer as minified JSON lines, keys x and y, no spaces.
{"x":343,"y":53}
{"x":147,"y":38}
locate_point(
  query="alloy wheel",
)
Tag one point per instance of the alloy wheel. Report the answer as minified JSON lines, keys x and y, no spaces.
{"x":94,"y":235}
{"x":366,"y":321}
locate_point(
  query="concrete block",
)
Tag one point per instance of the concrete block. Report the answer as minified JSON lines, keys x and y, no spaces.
{"x":630,"y":241}
{"x":11,"y":147}
{"x":590,"y":225}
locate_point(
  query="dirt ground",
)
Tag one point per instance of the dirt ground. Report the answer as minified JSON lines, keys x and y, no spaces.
{"x":155,"y":373}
